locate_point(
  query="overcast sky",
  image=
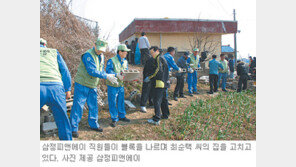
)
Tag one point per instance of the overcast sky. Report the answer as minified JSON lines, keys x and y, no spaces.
{"x":113,"y":16}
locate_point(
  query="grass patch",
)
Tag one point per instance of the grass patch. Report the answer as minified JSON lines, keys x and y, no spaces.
{"x":227,"y":116}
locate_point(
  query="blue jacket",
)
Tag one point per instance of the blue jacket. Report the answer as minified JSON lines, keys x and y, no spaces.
{"x":170,"y":60}
{"x":91,"y":67}
{"x":66,"y":77}
{"x":231,"y":65}
{"x":182,"y":63}
{"x":110,"y":66}
{"x":214,"y":66}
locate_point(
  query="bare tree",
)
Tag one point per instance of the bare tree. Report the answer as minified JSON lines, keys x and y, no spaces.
{"x":204,"y":41}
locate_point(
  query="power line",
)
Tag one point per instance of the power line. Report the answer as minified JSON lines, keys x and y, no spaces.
{"x":226,"y":12}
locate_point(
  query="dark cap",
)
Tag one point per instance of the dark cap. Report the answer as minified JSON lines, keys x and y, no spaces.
{"x":186,"y":53}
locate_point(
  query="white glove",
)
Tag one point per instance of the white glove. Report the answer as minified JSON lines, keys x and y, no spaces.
{"x":120,"y":77}
{"x":190,"y":70}
{"x":180,"y":70}
{"x":112,"y":78}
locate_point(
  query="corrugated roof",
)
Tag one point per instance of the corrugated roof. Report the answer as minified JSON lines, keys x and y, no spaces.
{"x":164,"y":25}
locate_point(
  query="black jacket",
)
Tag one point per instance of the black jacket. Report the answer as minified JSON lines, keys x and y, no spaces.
{"x":241,"y":69}
{"x":231,"y":65}
{"x":149,"y":67}
{"x":159,"y":71}
{"x":182,"y":63}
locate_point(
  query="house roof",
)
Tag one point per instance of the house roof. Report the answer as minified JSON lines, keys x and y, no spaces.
{"x":226,"y":48}
{"x":163,"y":25}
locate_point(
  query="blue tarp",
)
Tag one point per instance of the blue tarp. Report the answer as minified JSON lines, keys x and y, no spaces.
{"x":137,"y":55}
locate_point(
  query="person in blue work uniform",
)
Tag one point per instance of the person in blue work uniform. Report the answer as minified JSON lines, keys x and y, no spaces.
{"x":182,"y":63}
{"x":89,"y":72}
{"x":115,"y":66}
{"x":193,"y":61}
{"x":169,"y":57}
{"x":223,"y":73}
{"x":214,"y":66}
{"x":55,"y":80}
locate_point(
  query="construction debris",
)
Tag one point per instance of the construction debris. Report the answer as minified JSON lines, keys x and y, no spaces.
{"x":129,"y":105}
{"x":47,"y":122}
{"x":233,"y":83}
{"x":204,"y":79}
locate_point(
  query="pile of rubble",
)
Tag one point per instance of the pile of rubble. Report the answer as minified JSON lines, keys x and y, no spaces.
{"x":233,"y":83}
{"x":204,"y":79}
{"x":47,"y":123}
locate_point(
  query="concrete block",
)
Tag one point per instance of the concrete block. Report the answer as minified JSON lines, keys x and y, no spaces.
{"x":132,"y":95}
{"x":129,"y":104}
{"x":131,"y":75}
{"x":49,"y":128}
{"x":198,"y":69}
{"x":136,"y":99}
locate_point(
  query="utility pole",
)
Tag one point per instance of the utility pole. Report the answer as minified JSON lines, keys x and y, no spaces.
{"x":235,"y":49}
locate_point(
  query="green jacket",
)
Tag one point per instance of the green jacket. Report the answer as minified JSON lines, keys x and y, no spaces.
{"x":82,"y":77}
{"x":49,"y":68}
{"x":117,"y":67}
{"x":225,"y":66}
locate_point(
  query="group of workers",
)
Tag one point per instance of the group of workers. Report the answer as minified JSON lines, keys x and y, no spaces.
{"x":55,"y":87}
{"x":55,"y":83}
{"x":156,"y":79}
{"x":139,"y":53}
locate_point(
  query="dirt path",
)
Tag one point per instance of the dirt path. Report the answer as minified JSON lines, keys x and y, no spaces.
{"x":138,"y":128}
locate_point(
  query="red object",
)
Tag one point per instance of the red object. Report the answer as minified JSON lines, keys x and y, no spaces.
{"x":178,"y":26}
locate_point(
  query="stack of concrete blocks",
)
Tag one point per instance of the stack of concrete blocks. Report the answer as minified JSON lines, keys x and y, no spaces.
{"x":47,"y":123}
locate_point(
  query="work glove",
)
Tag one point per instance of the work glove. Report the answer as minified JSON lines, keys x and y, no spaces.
{"x":180,"y":70}
{"x":146,"y":79}
{"x":112,"y":78}
{"x":120,"y":77}
{"x":190,"y":70}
